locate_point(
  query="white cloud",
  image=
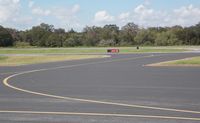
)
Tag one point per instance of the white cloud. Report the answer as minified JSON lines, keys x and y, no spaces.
{"x":31,"y":4}
{"x":23,"y":20}
{"x":143,"y":11}
{"x":8,"y":9}
{"x":15,"y":1}
{"x":64,"y":15}
{"x":146,"y":16}
{"x":40,"y":11}
{"x":103,"y":16}
{"x":124,"y":16}
{"x":187,"y":11}
{"x":67,"y":17}
{"x":186,"y":15}
{"x":10,"y":15}
{"x":75,"y":8}
{"x":37,"y":10}
{"x":57,"y":12}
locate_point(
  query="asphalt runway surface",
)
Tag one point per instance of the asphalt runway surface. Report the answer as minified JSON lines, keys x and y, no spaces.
{"x":119,"y":89}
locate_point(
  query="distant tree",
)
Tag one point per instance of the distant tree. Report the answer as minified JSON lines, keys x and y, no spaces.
{"x":91,"y":35}
{"x":106,"y":43}
{"x":110,"y":33}
{"x":72,"y":31}
{"x":15,"y":34}
{"x":194,"y":34}
{"x":5,"y":38}
{"x":59,"y":31}
{"x":166,"y":38}
{"x":128,"y":33}
{"x":145,"y":37}
{"x":62,"y":35}
{"x":53,"y":40}
{"x":180,"y":34}
{"x":73,"y":40}
{"x":47,"y":27}
{"x":39,"y":34}
{"x":45,"y":35}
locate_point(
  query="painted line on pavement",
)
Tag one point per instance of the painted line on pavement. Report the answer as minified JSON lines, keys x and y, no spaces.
{"x":101,"y":114}
{"x":6,"y":83}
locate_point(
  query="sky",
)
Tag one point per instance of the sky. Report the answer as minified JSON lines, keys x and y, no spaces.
{"x":77,"y":14}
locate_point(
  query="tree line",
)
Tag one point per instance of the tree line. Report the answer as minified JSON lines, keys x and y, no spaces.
{"x":45,"y":35}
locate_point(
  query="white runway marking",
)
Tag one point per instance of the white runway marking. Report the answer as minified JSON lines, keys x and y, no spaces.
{"x":6,"y":83}
{"x":100,"y":114}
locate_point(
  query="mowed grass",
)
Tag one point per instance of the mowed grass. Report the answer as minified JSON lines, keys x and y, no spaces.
{"x":194,"y":61}
{"x":188,"y":61}
{"x":24,"y":60}
{"x":151,"y":50}
{"x":90,"y":50}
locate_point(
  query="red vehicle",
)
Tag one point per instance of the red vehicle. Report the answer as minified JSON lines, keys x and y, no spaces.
{"x":113,"y":50}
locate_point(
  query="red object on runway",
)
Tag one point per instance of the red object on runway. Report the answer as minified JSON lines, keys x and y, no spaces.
{"x":113,"y":50}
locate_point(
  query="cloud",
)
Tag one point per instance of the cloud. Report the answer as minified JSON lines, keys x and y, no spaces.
{"x":10,"y":15}
{"x":186,"y":15}
{"x":65,"y":17}
{"x":103,"y":16}
{"x":66,"y":13}
{"x":61,"y":13}
{"x":8,"y":9}
{"x":124,"y":16}
{"x":146,"y":16}
{"x":75,"y":8}
{"x":31,"y":4}
{"x":40,"y":11}
{"x":143,"y":12}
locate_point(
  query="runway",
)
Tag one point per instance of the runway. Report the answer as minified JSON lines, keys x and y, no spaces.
{"x":119,"y":89}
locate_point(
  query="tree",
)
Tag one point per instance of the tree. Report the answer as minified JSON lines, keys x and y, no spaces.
{"x":14,"y":33}
{"x":62,"y":34}
{"x":38,"y":34}
{"x":128,"y":33}
{"x":145,"y":37}
{"x":104,"y":43}
{"x":180,"y":34}
{"x":53,"y":40}
{"x":45,"y":35}
{"x":73,"y":40}
{"x":91,"y":35}
{"x":194,"y":34}
{"x":5,"y":38}
{"x":47,"y":27}
{"x":166,"y":38}
{"x":110,"y":33}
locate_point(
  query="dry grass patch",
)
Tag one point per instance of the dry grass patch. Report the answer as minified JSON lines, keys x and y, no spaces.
{"x":194,"y":61}
{"x":24,"y":60}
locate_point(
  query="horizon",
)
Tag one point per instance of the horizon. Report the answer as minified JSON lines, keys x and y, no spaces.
{"x":77,"y":14}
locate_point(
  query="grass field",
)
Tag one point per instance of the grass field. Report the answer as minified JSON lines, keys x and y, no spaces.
{"x":188,"y":61}
{"x":90,"y":50}
{"x":24,"y":60}
{"x":21,"y":56}
{"x":194,"y":61}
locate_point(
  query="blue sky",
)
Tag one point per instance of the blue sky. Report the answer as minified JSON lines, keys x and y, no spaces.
{"x":23,"y":14}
